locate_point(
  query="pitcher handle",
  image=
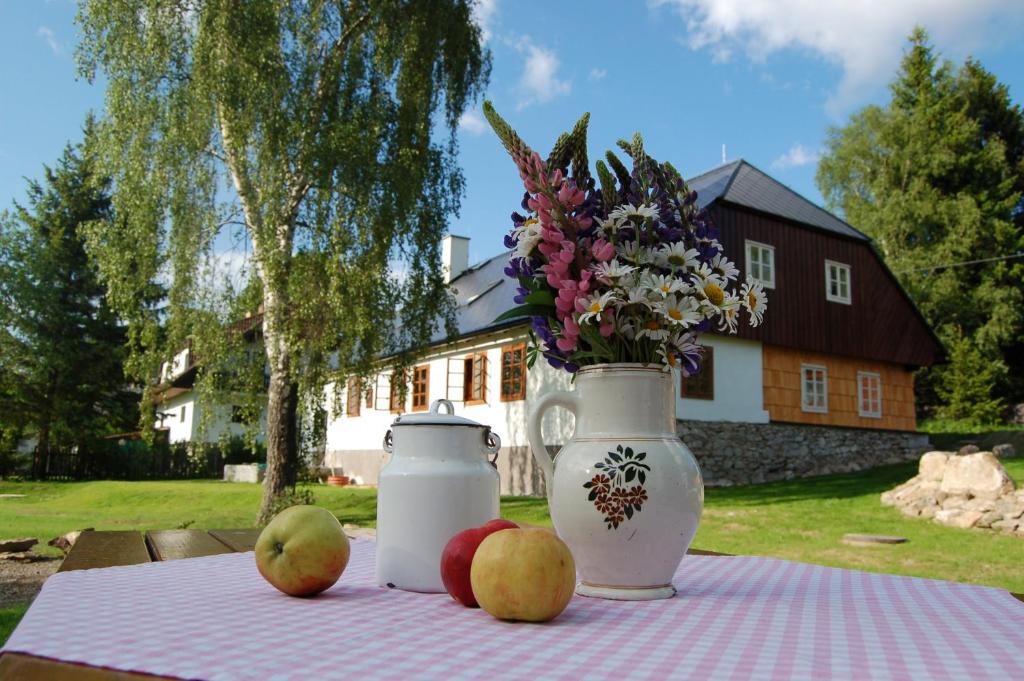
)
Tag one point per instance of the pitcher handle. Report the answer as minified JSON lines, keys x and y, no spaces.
{"x":566,"y":400}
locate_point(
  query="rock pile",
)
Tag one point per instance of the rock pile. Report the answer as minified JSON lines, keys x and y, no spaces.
{"x":961,"y":490}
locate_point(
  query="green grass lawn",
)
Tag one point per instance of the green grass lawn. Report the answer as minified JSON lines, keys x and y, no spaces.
{"x":800,"y":520}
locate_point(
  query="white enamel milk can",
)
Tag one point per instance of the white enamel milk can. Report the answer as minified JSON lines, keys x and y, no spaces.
{"x":440,"y":480}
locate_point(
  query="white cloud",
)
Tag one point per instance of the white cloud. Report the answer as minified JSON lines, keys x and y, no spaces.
{"x":50,"y":37}
{"x":484,"y":12}
{"x":540,"y":82}
{"x":597,"y":74}
{"x":472,"y":122}
{"x":865,"y":39}
{"x":798,"y":155}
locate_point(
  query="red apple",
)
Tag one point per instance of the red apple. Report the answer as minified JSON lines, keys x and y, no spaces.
{"x":457,"y":558}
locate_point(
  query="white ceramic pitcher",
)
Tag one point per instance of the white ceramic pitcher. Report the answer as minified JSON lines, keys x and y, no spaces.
{"x":437,"y":483}
{"x":625,"y":493}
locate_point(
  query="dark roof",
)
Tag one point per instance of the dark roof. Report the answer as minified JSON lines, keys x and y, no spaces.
{"x":483,"y":291}
{"x":742,"y":184}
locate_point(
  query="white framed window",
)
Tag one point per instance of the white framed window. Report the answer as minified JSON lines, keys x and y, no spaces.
{"x":814,"y":388}
{"x":837,"y":282}
{"x":761,"y":262}
{"x":869,"y":394}
{"x":182,"y":418}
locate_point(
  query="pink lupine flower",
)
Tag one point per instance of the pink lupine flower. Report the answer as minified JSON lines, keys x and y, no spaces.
{"x":603,"y":251}
{"x":607,"y":325}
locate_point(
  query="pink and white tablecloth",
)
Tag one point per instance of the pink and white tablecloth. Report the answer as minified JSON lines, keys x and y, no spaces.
{"x":734,"y":618}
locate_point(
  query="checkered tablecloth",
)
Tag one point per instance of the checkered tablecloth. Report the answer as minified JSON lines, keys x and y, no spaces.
{"x":734,"y":618}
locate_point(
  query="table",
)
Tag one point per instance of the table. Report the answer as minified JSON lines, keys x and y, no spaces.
{"x":736,"y":617}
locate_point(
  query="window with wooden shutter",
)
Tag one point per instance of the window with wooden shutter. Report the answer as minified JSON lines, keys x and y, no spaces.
{"x":474,"y":389}
{"x":513,"y":372}
{"x":421,"y":387}
{"x":701,"y":386}
{"x":395,"y":402}
{"x":352,"y":396}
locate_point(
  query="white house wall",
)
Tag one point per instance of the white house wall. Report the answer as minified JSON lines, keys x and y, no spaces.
{"x":218,"y":424}
{"x":367,"y":430}
{"x":179,"y":427}
{"x":739,"y":384}
{"x":353,"y":443}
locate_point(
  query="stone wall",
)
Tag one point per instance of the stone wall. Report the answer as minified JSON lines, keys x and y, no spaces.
{"x":728,"y":453}
{"x":750,"y":453}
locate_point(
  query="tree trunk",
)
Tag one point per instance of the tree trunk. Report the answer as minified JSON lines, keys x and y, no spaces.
{"x":282,"y":407}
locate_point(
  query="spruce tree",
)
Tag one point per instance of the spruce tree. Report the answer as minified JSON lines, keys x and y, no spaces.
{"x":61,"y":346}
{"x":934,"y":177}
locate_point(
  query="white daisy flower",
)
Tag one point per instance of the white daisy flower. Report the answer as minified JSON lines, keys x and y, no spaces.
{"x":627,"y":212}
{"x":710,"y":287}
{"x":679,"y":310}
{"x":652,"y":329}
{"x":637,"y":295}
{"x":633,"y":252}
{"x":609,"y":226}
{"x":724,"y":267}
{"x":665,"y":284}
{"x":527,"y":236}
{"x":595,"y":306}
{"x":688,"y":350}
{"x":730,"y":314}
{"x":754,"y":300}
{"x":677,"y":255}
{"x":612,"y":272}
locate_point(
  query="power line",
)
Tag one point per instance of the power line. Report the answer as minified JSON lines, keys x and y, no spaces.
{"x":1018,"y":254}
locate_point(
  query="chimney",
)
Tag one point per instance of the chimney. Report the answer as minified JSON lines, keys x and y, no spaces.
{"x":454,"y":256}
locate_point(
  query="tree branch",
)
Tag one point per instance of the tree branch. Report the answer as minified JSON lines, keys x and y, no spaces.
{"x":300,"y":183}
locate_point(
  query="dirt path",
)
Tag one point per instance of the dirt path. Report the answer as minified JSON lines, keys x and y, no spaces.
{"x":20,"y":582}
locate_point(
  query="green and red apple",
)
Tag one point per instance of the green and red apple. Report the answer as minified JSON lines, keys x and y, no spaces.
{"x":302,"y":551}
{"x":523,"y":574}
{"x":457,"y":558}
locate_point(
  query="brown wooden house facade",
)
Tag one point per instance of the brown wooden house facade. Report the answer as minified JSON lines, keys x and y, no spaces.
{"x":841,"y":338}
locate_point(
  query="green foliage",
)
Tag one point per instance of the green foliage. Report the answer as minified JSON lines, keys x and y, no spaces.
{"x":300,"y":496}
{"x":306,"y":130}
{"x":765,"y":520}
{"x":9,"y":618}
{"x":967,"y":386}
{"x":935,"y":178}
{"x":61,"y":345}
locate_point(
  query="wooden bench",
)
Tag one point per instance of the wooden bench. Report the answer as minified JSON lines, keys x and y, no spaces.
{"x":107,"y":549}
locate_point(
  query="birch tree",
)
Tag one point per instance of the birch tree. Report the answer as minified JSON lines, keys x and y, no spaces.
{"x":318,"y":132}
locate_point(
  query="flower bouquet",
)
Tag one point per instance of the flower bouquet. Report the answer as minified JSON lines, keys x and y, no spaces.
{"x":626,"y":268}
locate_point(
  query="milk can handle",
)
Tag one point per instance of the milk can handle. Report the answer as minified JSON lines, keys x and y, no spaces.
{"x":436,"y":405}
{"x":492,"y":443}
{"x":389,"y":445}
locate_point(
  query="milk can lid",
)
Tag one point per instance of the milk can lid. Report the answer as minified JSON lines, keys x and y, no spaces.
{"x":435,"y":418}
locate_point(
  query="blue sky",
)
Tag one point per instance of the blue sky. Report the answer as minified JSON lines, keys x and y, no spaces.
{"x":764,"y":77}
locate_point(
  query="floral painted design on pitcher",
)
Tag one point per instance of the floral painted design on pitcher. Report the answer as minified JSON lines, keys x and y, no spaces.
{"x":610,"y":490}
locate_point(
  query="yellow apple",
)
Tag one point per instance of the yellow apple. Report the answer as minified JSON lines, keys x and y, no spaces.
{"x":524,"y":574}
{"x":302,"y":551}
